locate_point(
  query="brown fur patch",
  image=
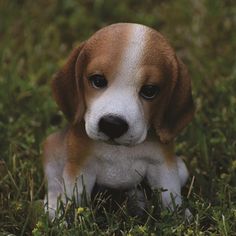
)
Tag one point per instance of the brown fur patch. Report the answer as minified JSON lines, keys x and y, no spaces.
{"x":78,"y":149}
{"x":54,"y":143}
{"x":64,"y":87}
{"x":103,"y":55}
{"x":173,"y":109}
{"x":168,"y":153}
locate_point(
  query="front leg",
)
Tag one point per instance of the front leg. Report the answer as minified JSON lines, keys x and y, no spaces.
{"x":69,"y":187}
{"x":54,"y":158}
{"x":79,"y":183}
{"x":165,"y":176}
{"x":63,"y":176}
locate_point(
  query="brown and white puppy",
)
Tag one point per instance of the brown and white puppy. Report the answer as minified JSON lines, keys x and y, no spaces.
{"x":126,"y":95}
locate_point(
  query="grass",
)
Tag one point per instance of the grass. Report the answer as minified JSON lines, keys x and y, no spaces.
{"x":36,"y":37}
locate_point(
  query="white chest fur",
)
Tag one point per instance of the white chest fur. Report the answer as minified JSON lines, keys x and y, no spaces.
{"x":124,"y":167}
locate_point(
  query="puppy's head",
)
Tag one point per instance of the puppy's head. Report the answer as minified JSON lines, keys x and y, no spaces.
{"x":122,"y":81}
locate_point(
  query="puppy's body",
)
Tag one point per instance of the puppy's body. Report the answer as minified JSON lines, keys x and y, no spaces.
{"x":118,"y":133}
{"x":109,"y":165}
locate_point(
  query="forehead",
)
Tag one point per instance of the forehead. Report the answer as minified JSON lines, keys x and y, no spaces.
{"x":125,"y":49}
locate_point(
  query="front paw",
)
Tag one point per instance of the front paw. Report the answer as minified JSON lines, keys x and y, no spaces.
{"x":54,"y":207}
{"x":50,"y":209}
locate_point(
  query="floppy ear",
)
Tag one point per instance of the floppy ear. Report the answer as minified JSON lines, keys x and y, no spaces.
{"x":65,"y":87}
{"x":180,"y":110}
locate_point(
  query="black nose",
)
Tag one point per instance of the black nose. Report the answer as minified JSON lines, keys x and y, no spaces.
{"x":113,"y":126}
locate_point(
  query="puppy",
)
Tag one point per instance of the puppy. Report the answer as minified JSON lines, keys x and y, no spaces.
{"x":126,"y":96}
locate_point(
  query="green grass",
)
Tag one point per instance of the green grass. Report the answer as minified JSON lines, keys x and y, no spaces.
{"x":36,"y":37}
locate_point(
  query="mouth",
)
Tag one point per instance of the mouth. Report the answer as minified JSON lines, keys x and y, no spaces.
{"x":128,"y":142}
{"x":113,"y":142}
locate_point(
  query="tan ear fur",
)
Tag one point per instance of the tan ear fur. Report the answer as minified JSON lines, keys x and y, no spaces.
{"x":180,"y":110}
{"x":65,"y":87}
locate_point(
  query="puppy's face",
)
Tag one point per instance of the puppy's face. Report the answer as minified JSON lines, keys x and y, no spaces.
{"x":125,"y":77}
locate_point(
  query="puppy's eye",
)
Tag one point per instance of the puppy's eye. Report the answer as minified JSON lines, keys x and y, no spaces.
{"x":149,"y":92}
{"x":98,"y":81}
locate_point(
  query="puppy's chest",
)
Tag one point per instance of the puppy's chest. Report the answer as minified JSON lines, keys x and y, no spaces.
{"x":120,"y":172}
{"x":120,"y":167}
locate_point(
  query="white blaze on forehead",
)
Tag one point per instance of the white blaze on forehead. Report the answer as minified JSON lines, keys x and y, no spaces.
{"x":133,"y":52}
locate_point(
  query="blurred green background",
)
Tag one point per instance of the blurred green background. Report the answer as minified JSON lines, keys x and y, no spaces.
{"x":35,"y":39}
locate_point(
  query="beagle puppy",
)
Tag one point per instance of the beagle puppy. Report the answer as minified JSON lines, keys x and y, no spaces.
{"x":126,"y":96}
